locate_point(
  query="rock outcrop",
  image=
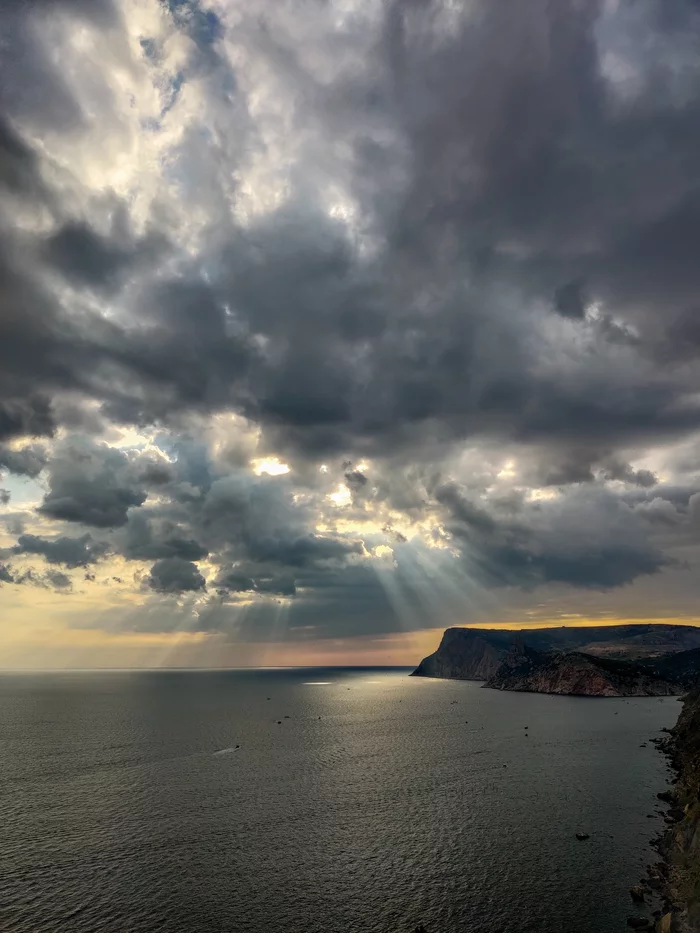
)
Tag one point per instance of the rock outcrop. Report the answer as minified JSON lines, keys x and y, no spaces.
{"x":577,"y":674}
{"x":466,"y":654}
{"x":677,"y":878}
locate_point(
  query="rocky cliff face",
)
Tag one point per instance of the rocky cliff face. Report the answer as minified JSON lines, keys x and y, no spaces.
{"x":465,"y":654}
{"x":677,"y":878}
{"x":476,"y":654}
{"x":577,"y":674}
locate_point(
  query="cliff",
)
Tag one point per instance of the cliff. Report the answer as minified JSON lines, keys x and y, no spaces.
{"x":466,"y":654}
{"x":476,"y":654}
{"x":577,"y":674}
{"x":677,"y":877}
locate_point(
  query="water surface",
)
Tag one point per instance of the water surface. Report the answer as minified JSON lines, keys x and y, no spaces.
{"x":382,"y":802}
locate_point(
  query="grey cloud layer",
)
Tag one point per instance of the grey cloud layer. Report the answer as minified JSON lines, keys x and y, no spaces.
{"x":73,"y":552}
{"x":470,"y":229}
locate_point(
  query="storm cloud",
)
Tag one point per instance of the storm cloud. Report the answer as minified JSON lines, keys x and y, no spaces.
{"x":355,"y":313}
{"x":73,"y":552}
{"x":91,"y":484}
{"x":175,"y":575}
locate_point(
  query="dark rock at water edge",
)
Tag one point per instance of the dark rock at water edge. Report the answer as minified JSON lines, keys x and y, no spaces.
{"x":639,"y":923}
{"x":677,"y":877}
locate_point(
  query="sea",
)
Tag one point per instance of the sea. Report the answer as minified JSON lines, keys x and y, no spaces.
{"x":320,"y":801}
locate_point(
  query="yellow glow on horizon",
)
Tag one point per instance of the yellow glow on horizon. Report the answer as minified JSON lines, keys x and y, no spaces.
{"x":54,"y":648}
{"x":85,"y":648}
{"x":570,"y":622}
{"x":82,"y":637}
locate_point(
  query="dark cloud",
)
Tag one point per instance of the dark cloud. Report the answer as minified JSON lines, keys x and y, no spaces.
{"x":660,"y":511}
{"x":26,"y":461}
{"x":422,"y":366}
{"x":462,"y":511}
{"x":24,"y":417}
{"x":75,"y":416}
{"x":73,"y":552}
{"x":42,"y":350}
{"x":49,"y":579}
{"x":18,"y":162}
{"x":588,"y":540}
{"x":570,"y":467}
{"x":5,"y":575}
{"x":175,"y":575}
{"x":151,"y":540}
{"x":83,"y":255}
{"x":545,"y":215}
{"x":58,"y":579}
{"x":569,"y":300}
{"x":259,"y":520}
{"x":482,"y":249}
{"x":156,"y":473}
{"x":563,"y":467}
{"x":355,"y":480}
{"x":305,"y":551}
{"x":617,"y":470}
{"x":91,"y":484}
{"x":236,"y":580}
{"x":4,"y":496}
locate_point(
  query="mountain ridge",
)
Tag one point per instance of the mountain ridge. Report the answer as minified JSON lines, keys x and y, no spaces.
{"x":477,"y":654}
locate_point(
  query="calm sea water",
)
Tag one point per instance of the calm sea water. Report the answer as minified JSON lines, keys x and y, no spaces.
{"x":125,"y":805}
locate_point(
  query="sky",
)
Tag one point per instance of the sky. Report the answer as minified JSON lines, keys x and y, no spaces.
{"x":326,"y":324}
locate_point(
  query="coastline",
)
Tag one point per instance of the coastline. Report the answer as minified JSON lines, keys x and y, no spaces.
{"x":676,"y":877}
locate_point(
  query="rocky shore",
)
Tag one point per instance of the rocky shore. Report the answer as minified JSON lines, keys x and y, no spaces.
{"x":676,"y":878}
